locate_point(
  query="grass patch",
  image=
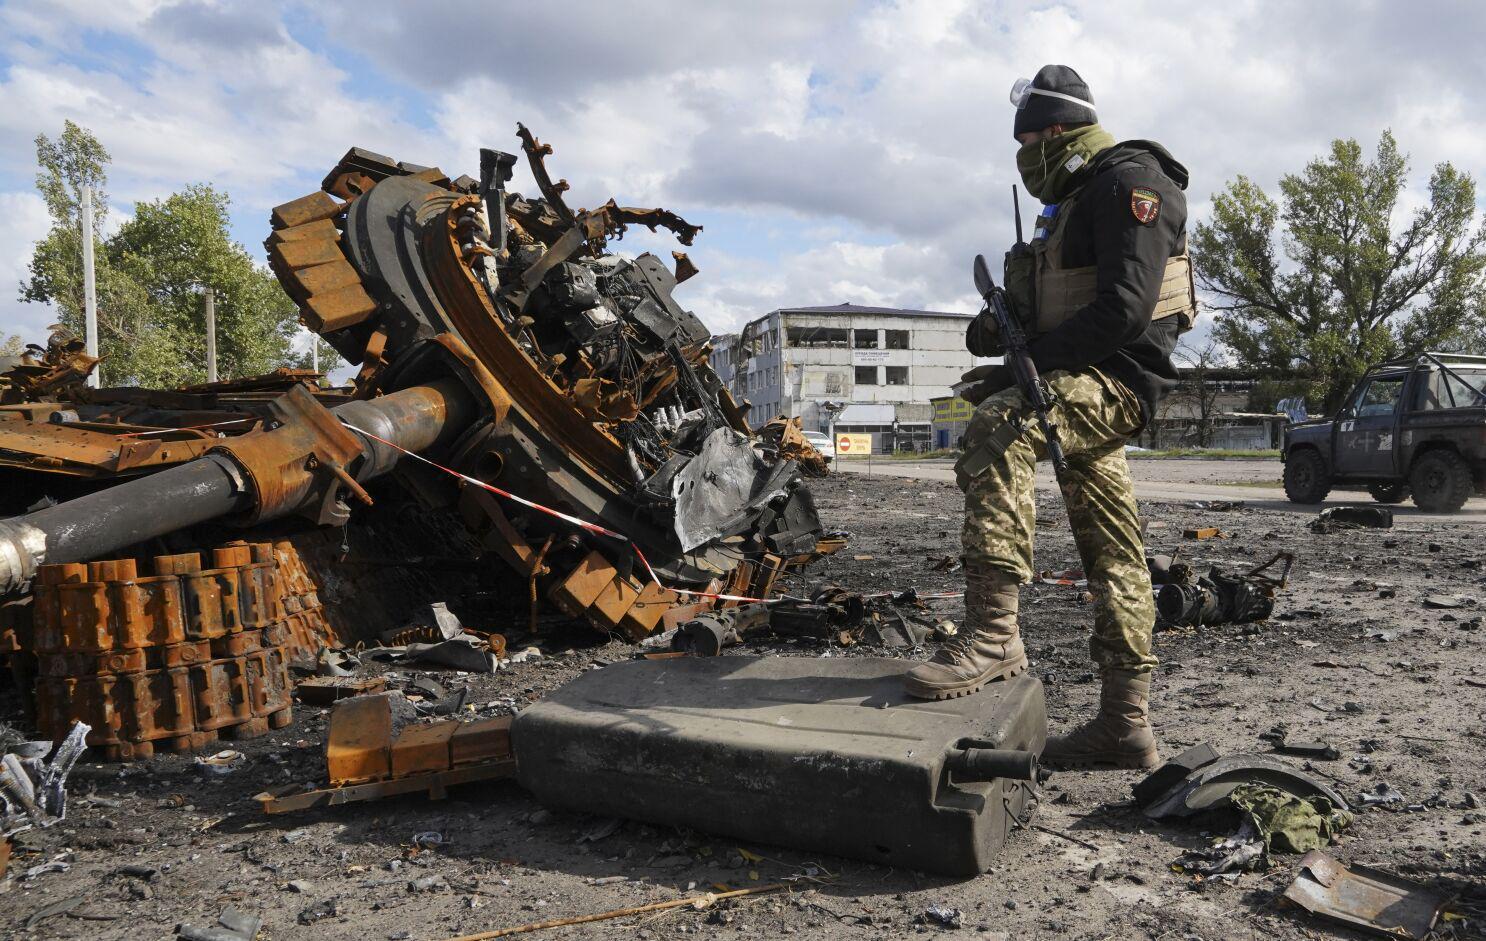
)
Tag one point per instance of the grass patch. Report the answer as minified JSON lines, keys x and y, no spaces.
{"x":1275,"y":484}
{"x":1205,"y":453}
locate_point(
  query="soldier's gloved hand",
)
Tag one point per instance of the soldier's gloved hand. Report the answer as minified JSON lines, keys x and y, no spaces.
{"x":984,"y":382}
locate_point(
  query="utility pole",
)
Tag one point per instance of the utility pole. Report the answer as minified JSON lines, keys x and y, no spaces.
{"x":315,"y":352}
{"x":90,"y":294}
{"x":211,"y":335}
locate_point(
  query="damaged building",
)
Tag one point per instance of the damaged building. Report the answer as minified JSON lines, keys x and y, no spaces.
{"x":879,"y":366}
{"x":524,"y":394}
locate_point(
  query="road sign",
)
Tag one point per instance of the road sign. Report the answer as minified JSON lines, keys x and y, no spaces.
{"x":848,"y":445}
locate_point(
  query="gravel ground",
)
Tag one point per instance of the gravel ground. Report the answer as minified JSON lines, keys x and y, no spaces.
{"x":1399,"y":688}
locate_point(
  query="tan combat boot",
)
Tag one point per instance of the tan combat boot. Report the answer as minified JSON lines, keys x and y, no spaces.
{"x":1119,"y":736}
{"x":987,"y":647}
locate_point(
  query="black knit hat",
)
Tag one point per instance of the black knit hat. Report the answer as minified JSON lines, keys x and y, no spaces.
{"x":1059,"y":107}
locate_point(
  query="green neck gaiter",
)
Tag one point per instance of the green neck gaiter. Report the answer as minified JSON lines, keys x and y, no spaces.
{"x":1054,"y":167}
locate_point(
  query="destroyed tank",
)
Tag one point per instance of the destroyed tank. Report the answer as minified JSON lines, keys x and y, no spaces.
{"x":510,"y":365}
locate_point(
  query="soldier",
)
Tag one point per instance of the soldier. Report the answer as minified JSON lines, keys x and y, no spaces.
{"x":1104,"y":289}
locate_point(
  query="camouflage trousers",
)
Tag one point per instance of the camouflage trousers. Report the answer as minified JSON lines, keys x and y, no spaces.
{"x":1094,"y":415}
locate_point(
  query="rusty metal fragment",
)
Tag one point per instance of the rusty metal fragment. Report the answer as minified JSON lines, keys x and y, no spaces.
{"x":591,"y":371}
{"x":375,"y":748}
{"x":45,"y":372}
{"x":685,"y":267}
{"x":785,"y":436}
{"x":196,"y":651}
{"x":1365,"y":898}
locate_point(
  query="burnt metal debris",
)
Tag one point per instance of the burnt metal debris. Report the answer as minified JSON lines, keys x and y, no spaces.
{"x":195,"y":651}
{"x":496,"y":334}
{"x":830,"y":614}
{"x":514,"y":374}
{"x":1185,"y":599}
{"x":1341,"y":518}
{"x":1199,"y":779}
{"x":42,"y":372}
{"x":33,"y":786}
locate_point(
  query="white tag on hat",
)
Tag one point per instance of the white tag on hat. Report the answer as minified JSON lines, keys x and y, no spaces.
{"x":1074,"y":162}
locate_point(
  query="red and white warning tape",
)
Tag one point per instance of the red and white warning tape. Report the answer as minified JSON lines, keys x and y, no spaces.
{"x":600,"y":530}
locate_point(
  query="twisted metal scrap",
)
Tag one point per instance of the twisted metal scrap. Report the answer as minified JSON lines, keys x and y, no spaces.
{"x":32,"y":791}
{"x":609,"y":220}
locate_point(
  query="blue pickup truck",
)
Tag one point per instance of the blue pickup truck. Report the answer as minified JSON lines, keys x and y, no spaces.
{"x":1415,"y":425}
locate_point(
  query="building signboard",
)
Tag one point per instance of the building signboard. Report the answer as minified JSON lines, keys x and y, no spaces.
{"x":952,"y":408}
{"x":869,"y":357}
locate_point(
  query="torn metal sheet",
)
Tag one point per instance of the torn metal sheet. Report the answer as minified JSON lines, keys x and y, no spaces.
{"x":1365,"y":898}
{"x":463,"y":652}
{"x":33,"y":790}
{"x":718,"y":488}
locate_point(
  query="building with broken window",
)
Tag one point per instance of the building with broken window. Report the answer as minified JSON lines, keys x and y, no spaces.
{"x":882,"y":364}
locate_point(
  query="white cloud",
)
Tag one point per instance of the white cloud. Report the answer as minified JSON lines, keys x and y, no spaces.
{"x":872,"y":140}
{"x":26,"y":222}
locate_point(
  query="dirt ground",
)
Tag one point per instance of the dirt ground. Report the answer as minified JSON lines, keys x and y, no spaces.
{"x":1399,"y":688}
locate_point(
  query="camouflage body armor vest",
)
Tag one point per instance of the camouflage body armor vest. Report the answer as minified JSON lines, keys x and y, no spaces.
{"x":1046,"y":294}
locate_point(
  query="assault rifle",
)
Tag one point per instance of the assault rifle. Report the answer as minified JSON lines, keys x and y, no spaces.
{"x":1014,"y":348}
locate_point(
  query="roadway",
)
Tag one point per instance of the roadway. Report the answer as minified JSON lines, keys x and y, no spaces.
{"x":1256,"y":482}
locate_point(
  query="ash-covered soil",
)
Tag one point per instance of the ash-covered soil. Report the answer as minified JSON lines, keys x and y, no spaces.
{"x":1352,"y":656}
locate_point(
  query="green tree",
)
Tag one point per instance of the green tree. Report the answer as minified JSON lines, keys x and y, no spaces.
{"x":12,"y":345}
{"x":175,"y":247}
{"x":150,"y":275}
{"x":1351,"y":288}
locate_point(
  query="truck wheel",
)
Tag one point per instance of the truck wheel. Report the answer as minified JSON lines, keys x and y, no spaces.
{"x":1441,"y":481}
{"x":1389,"y":493}
{"x":1306,"y":480}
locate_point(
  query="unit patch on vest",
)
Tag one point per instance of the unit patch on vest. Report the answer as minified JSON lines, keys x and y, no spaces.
{"x":1145,"y":204}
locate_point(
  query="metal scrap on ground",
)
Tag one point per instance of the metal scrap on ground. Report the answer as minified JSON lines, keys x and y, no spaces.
{"x":1185,"y":599}
{"x":1365,"y":898}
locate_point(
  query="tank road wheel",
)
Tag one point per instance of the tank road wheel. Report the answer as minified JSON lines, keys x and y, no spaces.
{"x":1306,"y":480}
{"x":1389,"y":493}
{"x":1441,"y":481}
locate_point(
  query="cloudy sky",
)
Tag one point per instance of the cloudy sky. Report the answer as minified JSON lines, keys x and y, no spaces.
{"x":834,"y":151}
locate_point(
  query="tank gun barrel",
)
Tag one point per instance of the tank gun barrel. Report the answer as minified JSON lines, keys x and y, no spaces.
{"x":302,"y":464}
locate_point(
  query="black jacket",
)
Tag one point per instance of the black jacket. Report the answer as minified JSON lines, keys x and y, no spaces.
{"x":1115,"y":332}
